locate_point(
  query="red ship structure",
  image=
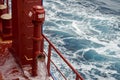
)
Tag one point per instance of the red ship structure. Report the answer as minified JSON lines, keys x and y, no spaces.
{"x":22,"y":43}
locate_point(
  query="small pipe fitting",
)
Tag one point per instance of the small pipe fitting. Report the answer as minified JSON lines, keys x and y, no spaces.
{"x":38,"y":13}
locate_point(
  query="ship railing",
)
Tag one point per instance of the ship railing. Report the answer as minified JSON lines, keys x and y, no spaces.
{"x":52,"y":49}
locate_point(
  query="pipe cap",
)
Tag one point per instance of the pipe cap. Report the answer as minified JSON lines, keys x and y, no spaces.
{"x":6,"y":16}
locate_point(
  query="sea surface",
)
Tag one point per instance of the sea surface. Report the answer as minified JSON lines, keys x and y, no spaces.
{"x":87,"y":32}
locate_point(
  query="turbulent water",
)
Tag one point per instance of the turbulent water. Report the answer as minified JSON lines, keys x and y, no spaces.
{"x":87,"y":32}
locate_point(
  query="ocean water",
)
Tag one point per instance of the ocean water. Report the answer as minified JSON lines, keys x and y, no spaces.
{"x":87,"y":32}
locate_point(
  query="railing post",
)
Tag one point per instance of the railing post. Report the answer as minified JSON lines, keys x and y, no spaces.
{"x":38,"y":19}
{"x":77,"y":77}
{"x":49,"y":58}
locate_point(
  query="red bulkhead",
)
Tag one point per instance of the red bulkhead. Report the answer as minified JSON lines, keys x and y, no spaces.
{"x":22,"y":47}
{"x":1,"y":1}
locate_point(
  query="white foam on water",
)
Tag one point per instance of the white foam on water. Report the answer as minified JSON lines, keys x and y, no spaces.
{"x":89,"y":19}
{"x":111,"y":4}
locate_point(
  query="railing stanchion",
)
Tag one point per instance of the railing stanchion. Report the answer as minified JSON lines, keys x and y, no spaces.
{"x":77,"y":77}
{"x":49,"y":57}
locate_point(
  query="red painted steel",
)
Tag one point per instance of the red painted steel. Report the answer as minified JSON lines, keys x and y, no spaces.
{"x":38,"y":19}
{"x":23,"y":30}
{"x":23,"y":48}
{"x":7,"y":3}
{"x":6,"y":27}
{"x":6,"y":23}
{"x":1,"y":1}
{"x":48,"y":62}
{"x":1,"y":77}
{"x":3,"y":9}
{"x":78,"y":76}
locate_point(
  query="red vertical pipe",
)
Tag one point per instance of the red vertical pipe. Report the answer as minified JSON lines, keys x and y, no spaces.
{"x":38,"y":19}
{"x":1,"y":2}
{"x":7,"y":3}
{"x":6,"y":27}
{"x":49,"y":57}
{"x":36,"y":47}
{"x":77,"y":78}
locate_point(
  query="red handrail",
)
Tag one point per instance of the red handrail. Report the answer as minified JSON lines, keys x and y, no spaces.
{"x":51,"y":46}
{"x":48,"y":63}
